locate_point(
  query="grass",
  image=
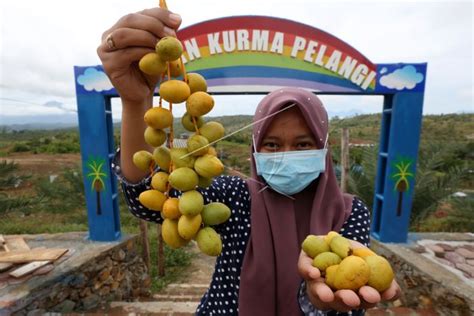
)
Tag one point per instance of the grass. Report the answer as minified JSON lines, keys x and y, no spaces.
{"x":54,"y":215}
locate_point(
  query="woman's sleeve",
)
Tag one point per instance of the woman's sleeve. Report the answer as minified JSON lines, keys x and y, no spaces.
{"x":357,"y":226}
{"x":131,"y":192}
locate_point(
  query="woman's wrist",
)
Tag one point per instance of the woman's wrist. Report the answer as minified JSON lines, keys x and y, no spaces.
{"x":132,"y":140}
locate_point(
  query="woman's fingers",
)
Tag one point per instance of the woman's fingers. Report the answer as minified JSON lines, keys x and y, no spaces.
{"x":392,"y":293}
{"x":128,"y":37}
{"x":306,"y":269}
{"x":322,"y":291}
{"x":168,"y":18}
{"x":346,"y":300}
{"x":369,"y":296}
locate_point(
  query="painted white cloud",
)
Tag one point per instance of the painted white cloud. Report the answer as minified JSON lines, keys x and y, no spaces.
{"x":384,"y":70}
{"x":93,"y":79}
{"x":403,"y":78}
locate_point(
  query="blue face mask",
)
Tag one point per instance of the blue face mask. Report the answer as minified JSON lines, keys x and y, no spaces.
{"x":289,"y":172}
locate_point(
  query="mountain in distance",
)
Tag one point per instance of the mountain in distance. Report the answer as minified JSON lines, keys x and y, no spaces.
{"x":66,"y":120}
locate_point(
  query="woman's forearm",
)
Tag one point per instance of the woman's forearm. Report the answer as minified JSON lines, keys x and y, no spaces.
{"x":131,"y":137}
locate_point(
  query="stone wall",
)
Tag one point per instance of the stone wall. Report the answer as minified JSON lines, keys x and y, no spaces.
{"x":91,"y":277}
{"x":426,"y":284}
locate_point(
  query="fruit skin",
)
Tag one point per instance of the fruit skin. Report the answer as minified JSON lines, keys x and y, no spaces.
{"x":169,"y":48}
{"x":175,"y":68}
{"x":209,"y":242}
{"x":191,"y":203}
{"x":331,"y":275}
{"x":152,"y":65}
{"x":161,"y":156}
{"x":208,"y":166}
{"x":329,"y":236}
{"x":352,"y":273}
{"x":212,"y":151}
{"x":174,"y":91}
{"x":199,"y":103}
{"x":154,"y":137}
{"x":204,"y":182}
{"x":326,"y":259}
{"x":196,"y":82}
{"x":381,"y":273}
{"x":170,"y":234}
{"x":314,"y":245}
{"x":215,"y":213}
{"x":159,"y":181}
{"x":171,"y":209}
{"x":183,"y":179}
{"x":152,"y":199}
{"x":341,"y":246}
{"x":197,"y":145}
{"x":188,"y":226}
{"x":212,"y":131}
{"x":188,"y":124}
{"x":363,"y":252}
{"x":158,"y":118}
{"x":142,"y":160}
{"x":180,"y":158}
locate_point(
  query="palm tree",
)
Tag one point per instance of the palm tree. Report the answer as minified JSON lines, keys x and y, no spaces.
{"x":434,"y":181}
{"x":98,"y":176}
{"x":402,"y":176}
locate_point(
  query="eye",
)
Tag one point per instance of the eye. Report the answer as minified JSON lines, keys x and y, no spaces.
{"x":270,"y":145}
{"x":304,"y":145}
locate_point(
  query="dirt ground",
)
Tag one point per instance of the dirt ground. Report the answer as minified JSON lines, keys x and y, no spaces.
{"x":44,"y":164}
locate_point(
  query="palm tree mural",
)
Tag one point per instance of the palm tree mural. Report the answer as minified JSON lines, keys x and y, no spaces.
{"x":98,"y":176}
{"x":401,"y":176}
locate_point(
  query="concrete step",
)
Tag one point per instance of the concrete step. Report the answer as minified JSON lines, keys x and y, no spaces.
{"x":185,"y":289}
{"x":177,"y":298}
{"x":165,"y":308}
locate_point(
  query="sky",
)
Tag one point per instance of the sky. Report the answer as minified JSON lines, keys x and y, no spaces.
{"x":41,"y":41}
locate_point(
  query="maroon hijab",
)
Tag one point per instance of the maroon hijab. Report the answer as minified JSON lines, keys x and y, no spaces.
{"x":269,"y":278}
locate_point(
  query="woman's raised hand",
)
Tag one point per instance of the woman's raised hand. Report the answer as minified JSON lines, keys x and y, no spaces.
{"x":128,"y":40}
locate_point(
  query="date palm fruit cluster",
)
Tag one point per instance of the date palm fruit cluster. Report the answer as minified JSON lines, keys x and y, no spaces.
{"x":183,"y":169}
{"x":346,"y":268}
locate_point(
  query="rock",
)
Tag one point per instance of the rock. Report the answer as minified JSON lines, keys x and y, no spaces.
{"x":470,"y":262}
{"x":66,"y":306}
{"x":446,"y":247}
{"x":78,"y":281}
{"x":115,"y":285}
{"x":454,"y":257}
{"x":467,"y":254}
{"x":85,"y":292}
{"x":119,"y":255}
{"x":438,"y":251}
{"x":36,"y":312}
{"x":469,"y":247}
{"x":104,"y":291}
{"x":418,"y":249}
{"x":91,"y":301}
{"x":104,"y":274}
{"x":466,"y":268}
{"x":3,"y":284}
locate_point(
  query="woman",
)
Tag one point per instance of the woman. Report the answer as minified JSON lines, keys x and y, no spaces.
{"x":292,"y":191}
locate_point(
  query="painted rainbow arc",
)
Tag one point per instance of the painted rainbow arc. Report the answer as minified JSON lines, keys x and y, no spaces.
{"x":264,"y":70}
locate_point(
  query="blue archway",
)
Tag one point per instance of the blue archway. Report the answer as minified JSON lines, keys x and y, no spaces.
{"x":257,"y":54}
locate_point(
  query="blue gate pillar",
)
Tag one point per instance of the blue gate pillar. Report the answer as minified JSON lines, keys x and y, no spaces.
{"x":394,"y":188}
{"x":97,"y":151}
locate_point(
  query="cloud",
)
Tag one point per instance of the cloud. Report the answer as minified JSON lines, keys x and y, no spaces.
{"x":58,"y":105}
{"x":92,"y":79}
{"x":384,"y":70}
{"x":404,"y":78}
